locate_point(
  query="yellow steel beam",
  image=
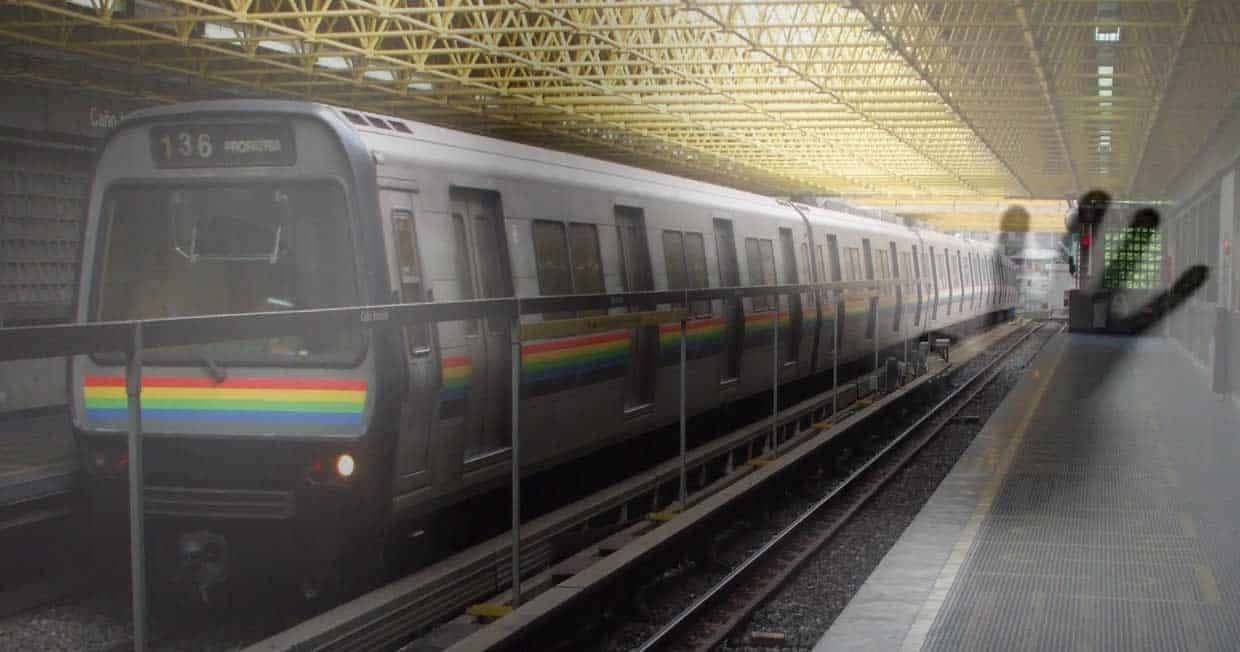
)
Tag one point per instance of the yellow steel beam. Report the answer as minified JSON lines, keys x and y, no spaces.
{"x":865,"y":98}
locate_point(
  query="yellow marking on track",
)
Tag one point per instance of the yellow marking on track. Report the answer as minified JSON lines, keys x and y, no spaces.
{"x":488,"y":610}
{"x":823,"y":425}
{"x":759,"y":462}
{"x":662,"y":516}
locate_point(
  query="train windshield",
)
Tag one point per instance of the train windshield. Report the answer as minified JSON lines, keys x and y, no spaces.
{"x":179,"y":251}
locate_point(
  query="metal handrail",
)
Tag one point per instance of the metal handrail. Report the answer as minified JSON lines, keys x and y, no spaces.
{"x":25,"y":342}
{"x":134,"y":336}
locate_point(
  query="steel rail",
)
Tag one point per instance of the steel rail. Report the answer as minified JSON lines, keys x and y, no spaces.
{"x":677,"y":627}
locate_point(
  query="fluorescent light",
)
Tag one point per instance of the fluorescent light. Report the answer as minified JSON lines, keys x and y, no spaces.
{"x":380,"y":75}
{"x":335,"y":63}
{"x":83,"y":3}
{"x":1105,"y":92}
{"x":213,"y":31}
{"x":286,"y":47}
{"x":427,"y":86}
{"x":1106,"y":34}
{"x":1106,"y":82}
{"x":1106,"y":70}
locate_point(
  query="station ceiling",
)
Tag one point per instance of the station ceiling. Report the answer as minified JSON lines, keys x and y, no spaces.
{"x":945,"y":103}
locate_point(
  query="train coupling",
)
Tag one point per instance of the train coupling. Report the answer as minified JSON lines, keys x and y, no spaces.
{"x":202,"y":562}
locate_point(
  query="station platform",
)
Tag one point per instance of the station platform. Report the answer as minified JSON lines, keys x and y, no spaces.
{"x":36,"y":457}
{"x":1098,"y":509}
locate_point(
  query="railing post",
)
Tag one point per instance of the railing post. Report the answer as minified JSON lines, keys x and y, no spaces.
{"x":515,"y":445}
{"x":684,"y":342}
{"x":137,"y":531}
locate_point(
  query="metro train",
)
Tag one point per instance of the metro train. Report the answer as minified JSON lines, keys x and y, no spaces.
{"x":311,"y":449}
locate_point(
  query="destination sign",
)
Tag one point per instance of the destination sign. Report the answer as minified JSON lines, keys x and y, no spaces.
{"x":222,"y":145}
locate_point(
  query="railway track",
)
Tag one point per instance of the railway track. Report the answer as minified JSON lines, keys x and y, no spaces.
{"x":709,"y":620}
{"x":391,"y":615}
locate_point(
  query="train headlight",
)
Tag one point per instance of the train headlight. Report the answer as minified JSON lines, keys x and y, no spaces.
{"x":345,"y":466}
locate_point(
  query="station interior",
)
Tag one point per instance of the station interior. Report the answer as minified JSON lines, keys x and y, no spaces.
{"x":607,"y":325}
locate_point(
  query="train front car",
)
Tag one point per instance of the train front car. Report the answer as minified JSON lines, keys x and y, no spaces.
{"x":254,"y":449}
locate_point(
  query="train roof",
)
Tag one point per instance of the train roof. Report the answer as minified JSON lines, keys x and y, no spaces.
{"x":391,"y":138}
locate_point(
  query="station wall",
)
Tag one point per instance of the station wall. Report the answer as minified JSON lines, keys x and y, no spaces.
{"x":1201,"y":229}
{"x":48,"y":138}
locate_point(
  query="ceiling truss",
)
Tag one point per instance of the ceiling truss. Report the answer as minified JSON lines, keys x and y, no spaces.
{"x":866,"y":99}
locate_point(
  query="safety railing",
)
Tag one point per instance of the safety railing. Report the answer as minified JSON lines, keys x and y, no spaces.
{"x":133,"y":337}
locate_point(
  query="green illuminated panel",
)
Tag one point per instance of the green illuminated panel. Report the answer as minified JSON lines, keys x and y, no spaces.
{"x":1133,"y":259}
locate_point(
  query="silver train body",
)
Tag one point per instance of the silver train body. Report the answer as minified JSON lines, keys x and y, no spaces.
{"x":239,"y":206}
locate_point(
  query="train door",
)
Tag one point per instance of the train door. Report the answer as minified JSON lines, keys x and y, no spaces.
{"x":484,"y":273}
{"x":947,"y":274}
{"x":934,"y":277}
{"x":792,"y":341}
{"x":917,"y":280}
{"x":895,"y":274}
{"x":733,"y":309}
{"x":807,"y":269}
{"x":836,"y":295}
{"x":416,"y":417}
{"x":638,"y":277}
{"x":961,"y":278}
{"x":872,"y":318}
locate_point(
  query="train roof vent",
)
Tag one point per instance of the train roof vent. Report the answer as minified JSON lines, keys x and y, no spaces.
{"x":400,"y":126}
{"x":354,"y":118}
{"x":378,"y":122}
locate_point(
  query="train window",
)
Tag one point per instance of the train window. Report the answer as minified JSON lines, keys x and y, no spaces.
{"x":400,"y":126}
{"x":587,"y":262}
{"x":760,"y":254}
{"x":354,"y":118}
{"x":307,"y":262}
{"x":674,"y":259}
{"x":411,"y":288}
{"x":960,"y":275}
{"x":850,"y":267}
{"x":551,"y":258}
{"x":685,"y":256}
{"x":917,"y":275}
{"x":378,"y":122}
{"x":695,"y":269}
{"x":464,"y":272}
{"x":634,"y":251}
{"x":766,"y":249}
{"x":869,"y":259}
{"x":638,"y":277}
{"x":834,"y":248}
{"x":733,"y":312}
{"x":884,"y":271}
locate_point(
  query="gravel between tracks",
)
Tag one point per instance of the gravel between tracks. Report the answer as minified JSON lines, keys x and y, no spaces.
{"x":100,"y":622}
{"x":805,"y":608}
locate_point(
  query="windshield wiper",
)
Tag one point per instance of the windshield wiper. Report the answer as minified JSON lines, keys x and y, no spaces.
{"x":217,"y":373}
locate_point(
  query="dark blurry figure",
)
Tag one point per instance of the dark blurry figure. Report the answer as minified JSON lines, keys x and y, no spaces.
{"x":1014,"y":230}
{"x":1092,"y":210}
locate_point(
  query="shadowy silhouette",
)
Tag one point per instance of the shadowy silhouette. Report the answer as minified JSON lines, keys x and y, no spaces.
{"x":1093,"y":209}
